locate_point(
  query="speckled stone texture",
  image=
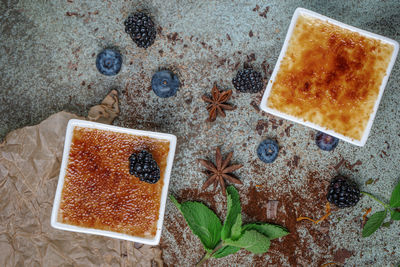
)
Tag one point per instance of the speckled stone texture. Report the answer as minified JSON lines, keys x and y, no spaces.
{"x":47,"y":64}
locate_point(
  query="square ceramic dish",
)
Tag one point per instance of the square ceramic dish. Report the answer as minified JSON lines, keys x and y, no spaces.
{"x":67,"y":145}
{"x":368,"y":122}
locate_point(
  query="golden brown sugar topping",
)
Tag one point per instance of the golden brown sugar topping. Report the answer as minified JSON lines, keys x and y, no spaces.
{"x":98,"y":190}
{"x":330,"y":76}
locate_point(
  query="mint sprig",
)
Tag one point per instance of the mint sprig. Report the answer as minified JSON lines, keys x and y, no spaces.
{"x":376,"y":220}
{"x":233,"y":222}
{"x":203,"y":222}
{"x":222,"y":240}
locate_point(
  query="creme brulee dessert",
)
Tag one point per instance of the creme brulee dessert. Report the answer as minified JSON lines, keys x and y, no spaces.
{"x":99,"y":191}
{"x":330,"y":76}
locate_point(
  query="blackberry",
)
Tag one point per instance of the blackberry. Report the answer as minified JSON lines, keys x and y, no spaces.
{"x":144,"y":167}
{"x":343,"y":193}
{"x":248,"y":81}
{"x":141,"y":29}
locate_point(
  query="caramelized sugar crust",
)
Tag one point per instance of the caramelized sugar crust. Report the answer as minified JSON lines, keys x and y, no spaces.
{"x":98,"y":190}
{"x":330,"y":76}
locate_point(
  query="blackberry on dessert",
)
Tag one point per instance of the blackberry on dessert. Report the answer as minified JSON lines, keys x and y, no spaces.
{"x":144,"y":167}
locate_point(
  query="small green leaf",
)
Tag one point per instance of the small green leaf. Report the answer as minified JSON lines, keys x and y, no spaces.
{"x":271,"y":231}
{"x":369,"y":181}
{"x":202,"y":221}
{"x":236,"y":230}
{"x":396,"y":216}
{"x":373,"y":223}
{"x":173,"y":199}
{"x":252,"y":241}
{"x":225,"y":251}
{"x":395,"y":198}
{"x":386,"y":224}
{"x":232,"y":227}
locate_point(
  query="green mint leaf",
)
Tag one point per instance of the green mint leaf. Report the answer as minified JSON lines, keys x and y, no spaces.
{"x":252,"y":241}
{"x":236,"y":230}
{"x":225,"y":251}
{"x":395,"y":198}
{"x":202,"y":221}
{"x":396,"y":216}
{"x":373,"y":223}
{"x":173,"y":199}
{"x":233,"y":222}
{"x":271,"y":231}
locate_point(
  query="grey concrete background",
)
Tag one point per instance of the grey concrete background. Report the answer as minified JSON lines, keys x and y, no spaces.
{"x":47,"y":64}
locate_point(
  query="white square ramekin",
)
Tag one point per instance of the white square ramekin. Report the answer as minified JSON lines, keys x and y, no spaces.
{"x":297,"y":13}
{"x":67,"y":144}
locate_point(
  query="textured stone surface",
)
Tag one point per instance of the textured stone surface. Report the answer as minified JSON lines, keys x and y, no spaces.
{"x":47,"y":64}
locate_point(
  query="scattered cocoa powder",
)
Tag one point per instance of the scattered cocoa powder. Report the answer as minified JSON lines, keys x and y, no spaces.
{"x":250,"y":58}
{"x":70,"y":14}
{"x":173,"y":37}
{"x":384,"y":153}
{"x":265,"y":67}
{"x":296,"y":161}
{"x":74,"y":14}
{"x":255,"y":106}
{"x":309,"y":200}
{"x":306,"y":199}
{"x":274,"y":123}
{"x":341,"y":255}
{"x":351,"y":166}
{"x":264,"y":13}
{"x":261,"y":126}
{"x":340,"y":163}
{"x":287,"y":130}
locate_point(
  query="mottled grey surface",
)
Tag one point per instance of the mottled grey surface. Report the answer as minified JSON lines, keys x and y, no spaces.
{"x":47,"y":64}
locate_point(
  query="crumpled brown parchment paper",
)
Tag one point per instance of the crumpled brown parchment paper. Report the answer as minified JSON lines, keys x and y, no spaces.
{"x":30,"y":160}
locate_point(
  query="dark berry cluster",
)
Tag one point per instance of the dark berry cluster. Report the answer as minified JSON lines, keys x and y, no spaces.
{"x":248,"y":81}
{"x":143,"y":166}
{"x":141,"y":29}
{"x":343,"y":193}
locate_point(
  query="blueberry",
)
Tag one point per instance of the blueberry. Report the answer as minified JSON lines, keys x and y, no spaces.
{"x":165,"y":83}
{"x":325,"y":141}
{"x":268,"y":150}
{"x":109,"y":62}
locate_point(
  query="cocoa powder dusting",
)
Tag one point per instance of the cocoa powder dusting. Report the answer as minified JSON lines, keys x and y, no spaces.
{"x":341,"y":255}
{"x":306,"y":199}
{"x":309,"y":200}
{"x":255,"y":106}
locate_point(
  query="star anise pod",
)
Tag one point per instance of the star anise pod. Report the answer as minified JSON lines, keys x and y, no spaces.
{"x":217,"y":103}
{"x":220,"y":171}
